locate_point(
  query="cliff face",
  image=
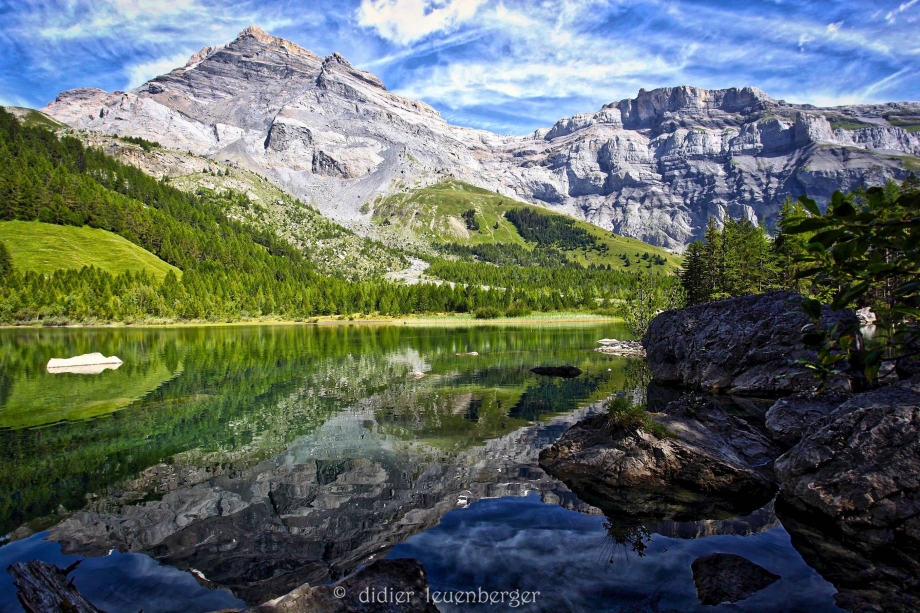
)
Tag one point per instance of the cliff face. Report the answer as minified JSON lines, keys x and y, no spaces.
{"x":655,"y":167}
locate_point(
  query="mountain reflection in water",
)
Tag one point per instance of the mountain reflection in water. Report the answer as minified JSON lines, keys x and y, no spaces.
{"x":267,"y":457}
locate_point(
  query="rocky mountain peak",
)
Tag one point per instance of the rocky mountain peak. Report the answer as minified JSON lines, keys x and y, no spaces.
{"x":254,"y":37}
{"x":654,"y":167}
{"x":202,"y":55}
{"x":257,"y":33}
{"x":336,"y":64}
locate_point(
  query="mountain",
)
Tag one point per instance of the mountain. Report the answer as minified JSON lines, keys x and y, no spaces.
{"x":654,"y":168}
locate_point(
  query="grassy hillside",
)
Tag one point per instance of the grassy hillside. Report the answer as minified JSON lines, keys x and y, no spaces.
{"x":44,"y":248}
{"x":33,"y":118}
{"x":435,"y":215}
{"x":332,"y":248}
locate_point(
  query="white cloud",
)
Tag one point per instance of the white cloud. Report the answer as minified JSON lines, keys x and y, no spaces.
{"x":833,"y":28}
{"x":13,"y":100}
{"x":891,"y":17}
{"x":143,"y":72}
{"x":407,"y":21}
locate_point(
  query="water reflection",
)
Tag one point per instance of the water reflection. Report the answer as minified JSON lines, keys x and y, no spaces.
{"x":268,"y":457}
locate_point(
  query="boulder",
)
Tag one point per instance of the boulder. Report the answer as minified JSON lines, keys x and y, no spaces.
{"x":612,"y":346}
{"x":742,"y":346}
{"x":702,"y":463}
{"x":789,"y":418}
{"x":866,"y":316}
{"x":566,"y":372}
{"x":727,"y":578}
{"x":86,"y":364}
{"x":860,"y":466}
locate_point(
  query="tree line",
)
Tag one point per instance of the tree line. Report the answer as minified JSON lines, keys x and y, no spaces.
{"x":230,"y":269}
{"x":741,"y":258}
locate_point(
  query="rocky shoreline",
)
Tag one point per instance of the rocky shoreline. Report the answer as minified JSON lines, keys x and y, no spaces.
{"x":844,"y":467}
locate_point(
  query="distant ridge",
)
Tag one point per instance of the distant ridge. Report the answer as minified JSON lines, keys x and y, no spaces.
{"x":655,"y":167}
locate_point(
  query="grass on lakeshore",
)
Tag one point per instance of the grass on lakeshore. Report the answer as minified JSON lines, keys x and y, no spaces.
{"x":44,"y":248}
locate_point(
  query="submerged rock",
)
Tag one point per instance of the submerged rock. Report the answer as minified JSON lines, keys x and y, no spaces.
{"x":727,"y":578}
{"x":789,"y":418}
{"x":612,"y":346}
{"x":386,"y":585}
{"x":709,"y":464}
{"x":741,"y":346}
{"x":860,"y":466}
{"x":566,"y":372}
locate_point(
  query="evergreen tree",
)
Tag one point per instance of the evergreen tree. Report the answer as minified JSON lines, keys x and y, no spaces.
{"x":6,"y":262}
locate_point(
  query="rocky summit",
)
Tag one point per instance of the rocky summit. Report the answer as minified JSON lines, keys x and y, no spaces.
{"x":655,"y":167}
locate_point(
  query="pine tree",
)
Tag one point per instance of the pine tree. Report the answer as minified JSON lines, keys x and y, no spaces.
{"x":6,"y":262}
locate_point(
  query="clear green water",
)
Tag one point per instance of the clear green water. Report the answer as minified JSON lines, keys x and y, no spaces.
{"x":271,"y":456}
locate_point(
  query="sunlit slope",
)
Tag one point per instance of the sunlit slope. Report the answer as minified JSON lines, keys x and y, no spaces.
{"x":435,"y":215}
{"x":44,"y":248}
{"x":31,"y":118}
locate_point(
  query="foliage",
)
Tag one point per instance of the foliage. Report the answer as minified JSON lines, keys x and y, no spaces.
{"x":647,"y":300}
{"x":507,"y":254}
{"x":231,"y":270}
{"x":631,"y":417}
{"x":736,"y":260}
{"x":146,"y":145}
{"x":469,"y":218}
{"x":864,"y":251}
{"x":551,"y":230}
{"x":487,"y":313}
{"x":6,"y":261}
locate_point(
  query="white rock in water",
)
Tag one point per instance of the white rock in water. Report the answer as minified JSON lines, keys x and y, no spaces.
{"x":416,"y":375}
{"x":86,"y":364}
{"x":866,"y":316}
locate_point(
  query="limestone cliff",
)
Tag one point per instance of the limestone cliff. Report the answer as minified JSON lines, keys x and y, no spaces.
{"x":655,"y":167}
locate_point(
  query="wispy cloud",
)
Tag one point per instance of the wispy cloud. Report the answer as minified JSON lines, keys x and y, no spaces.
{"x":507,"y":65}
{"x":144,"y":71}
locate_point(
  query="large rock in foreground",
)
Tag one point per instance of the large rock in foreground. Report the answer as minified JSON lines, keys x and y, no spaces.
{"x":743,"y":346}
{"x":710,"y":465}
{"x":860,"y":465}
{"x":790,"y":418}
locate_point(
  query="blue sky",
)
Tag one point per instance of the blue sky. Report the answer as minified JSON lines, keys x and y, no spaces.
{"x":509,"y":66}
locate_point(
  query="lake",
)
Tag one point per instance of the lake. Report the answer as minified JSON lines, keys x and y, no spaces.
{"x":223,"y":466}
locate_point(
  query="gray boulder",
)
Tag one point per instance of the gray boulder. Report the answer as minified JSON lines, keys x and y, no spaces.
{"x":727,"y":578}
{"x":789,"y":418}
{"x":705,"y":464}
{"x":860,"y":465}
{"x":742,"y":346}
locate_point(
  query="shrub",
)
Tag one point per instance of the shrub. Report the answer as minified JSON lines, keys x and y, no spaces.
{"x":628,"y":416}
{"x":487,"y":313}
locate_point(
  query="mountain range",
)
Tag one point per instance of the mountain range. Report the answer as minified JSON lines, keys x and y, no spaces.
{"x":655,"y":167}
